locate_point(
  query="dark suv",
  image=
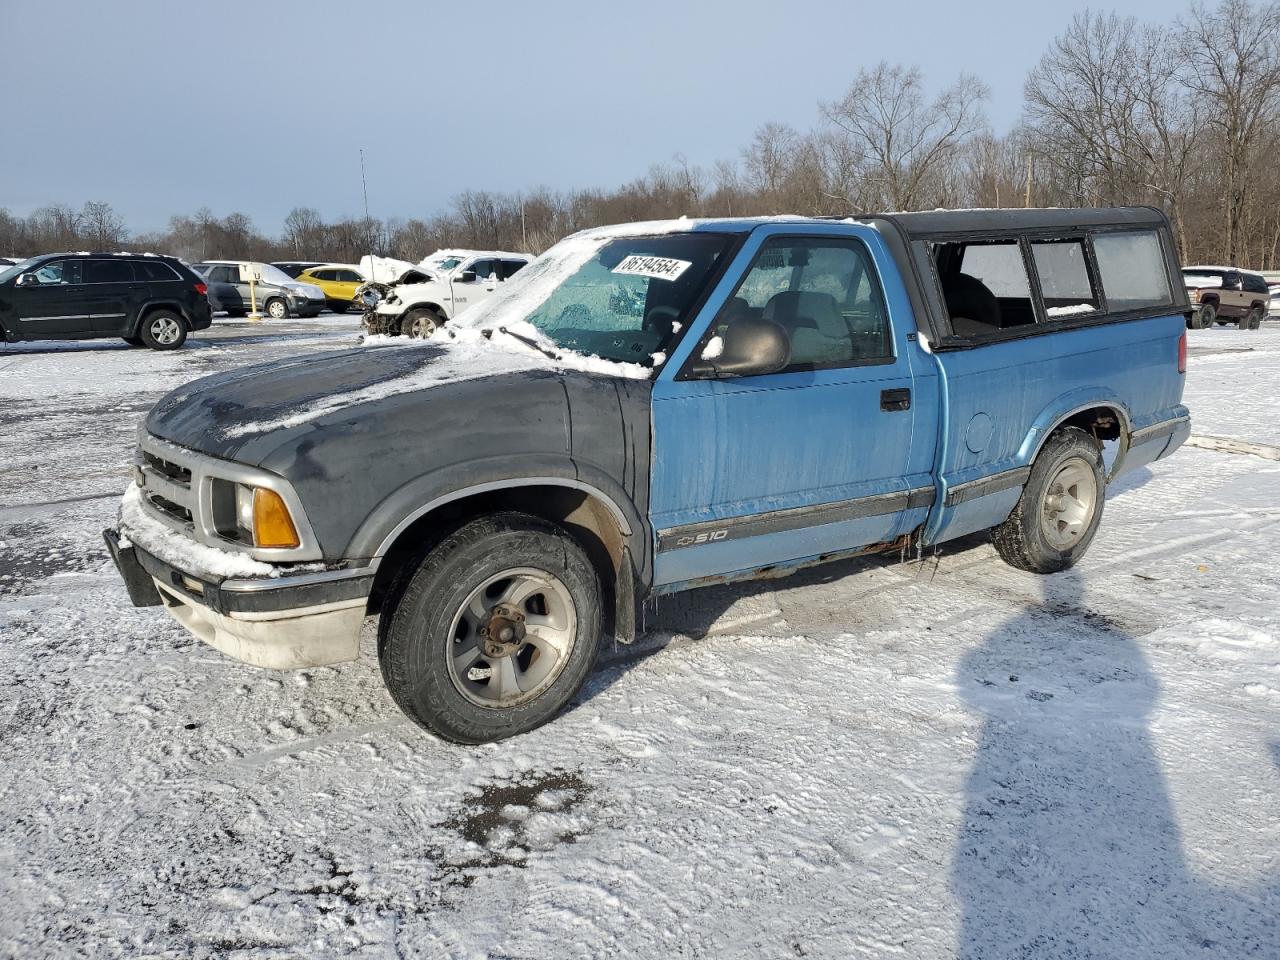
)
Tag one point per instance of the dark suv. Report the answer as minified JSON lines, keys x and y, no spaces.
{"x":145,"y":299}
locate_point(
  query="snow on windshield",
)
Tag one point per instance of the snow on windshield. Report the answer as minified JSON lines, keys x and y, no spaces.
{"x":530,"y":288}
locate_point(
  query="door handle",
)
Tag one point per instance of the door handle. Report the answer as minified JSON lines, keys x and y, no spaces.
{"x":899,"y":398}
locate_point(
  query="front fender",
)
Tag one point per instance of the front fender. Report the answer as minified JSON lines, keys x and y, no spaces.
{"x":424,"y":494}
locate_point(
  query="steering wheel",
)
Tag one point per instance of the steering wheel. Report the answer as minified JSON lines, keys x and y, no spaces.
{"x":649,"y":318}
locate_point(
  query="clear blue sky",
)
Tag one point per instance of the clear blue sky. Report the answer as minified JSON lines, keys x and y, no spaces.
{"x":163,"y":106}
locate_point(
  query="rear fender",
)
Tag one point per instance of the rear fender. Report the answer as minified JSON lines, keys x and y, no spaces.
{"x":1062,"y":409}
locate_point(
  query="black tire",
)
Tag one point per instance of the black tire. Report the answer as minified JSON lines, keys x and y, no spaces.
{"x":237,"y":314}
{"x":1254,"y":319}
{"x":133,"y":341}
{"x":1206,"y":315}
{"x":338,"y":306}
{"x":421,"y":323}
{"x":1022,"y":540}
{"x":163,"y":330}
{"x":276,"y":308}
{"x":416,"y":635}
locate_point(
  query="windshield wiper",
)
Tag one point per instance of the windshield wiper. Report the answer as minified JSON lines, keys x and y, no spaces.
{"x":527,"y":341}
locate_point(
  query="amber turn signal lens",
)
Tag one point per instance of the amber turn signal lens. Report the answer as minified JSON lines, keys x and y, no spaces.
{"x":272,"y":525}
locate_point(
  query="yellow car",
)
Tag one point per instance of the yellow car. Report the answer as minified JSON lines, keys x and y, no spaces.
{"x":338,"y":281}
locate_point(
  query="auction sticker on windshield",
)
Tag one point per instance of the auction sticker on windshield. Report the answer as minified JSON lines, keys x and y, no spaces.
{"x":660,"y":268}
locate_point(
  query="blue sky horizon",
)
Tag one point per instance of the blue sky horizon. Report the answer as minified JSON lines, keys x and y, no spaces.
{"x":162,"y":108}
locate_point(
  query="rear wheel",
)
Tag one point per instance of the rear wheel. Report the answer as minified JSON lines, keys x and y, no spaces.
{"x":338,"y":306}
{"x":1254,"y":320}
{"x":421,"y":323}
{"x":1060,"y":508}
{"x":494,"y":632}
{"x":277,"y":309}
{"x":163,"y":330}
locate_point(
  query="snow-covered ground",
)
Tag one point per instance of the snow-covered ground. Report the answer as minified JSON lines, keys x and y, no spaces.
{"x":875,"y":759}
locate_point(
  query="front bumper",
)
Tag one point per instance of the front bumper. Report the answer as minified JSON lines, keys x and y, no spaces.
{"x":305,"y":306}
{"x":307,"y":620}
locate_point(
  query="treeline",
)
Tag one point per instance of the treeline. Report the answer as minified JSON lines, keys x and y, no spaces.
{"x":1183,"y":115}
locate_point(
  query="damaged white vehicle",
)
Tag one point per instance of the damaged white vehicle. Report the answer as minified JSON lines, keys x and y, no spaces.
{"x":417,"y":299}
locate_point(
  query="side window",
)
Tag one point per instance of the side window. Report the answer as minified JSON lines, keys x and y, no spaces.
{"x":483,"y":268}
{"x":58,"y":272}
{"x":1133,"y":270}
{"x":1066,"y":284}
{"x":223,"y":274}
{"x":824,"y":292}
{"x":985,"y":286}
{"x":108,"y":271}
{"x":509,"y":268}
{"x":324,"y":274}
{"x":156,"y":271}
{"x":348,"y":276}
{"x":1254,"y":283}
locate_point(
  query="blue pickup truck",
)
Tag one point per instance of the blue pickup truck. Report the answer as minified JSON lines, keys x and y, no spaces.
{"x":650,"y":408}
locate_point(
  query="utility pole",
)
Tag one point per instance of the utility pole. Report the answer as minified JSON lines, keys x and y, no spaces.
{"x":364,"y":184}
{"x":524,"y":236}
{"x":1026,"y":200}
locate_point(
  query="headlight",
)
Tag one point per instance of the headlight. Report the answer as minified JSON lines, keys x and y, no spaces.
{"x":260,"y":517}
{"x":369,"y":298}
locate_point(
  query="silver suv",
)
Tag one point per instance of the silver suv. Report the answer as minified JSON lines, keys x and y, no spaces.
{"x":279,"y":295}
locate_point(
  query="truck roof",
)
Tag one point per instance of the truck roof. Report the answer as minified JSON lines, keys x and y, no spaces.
{"x":917,"y":224}
{"x":934,"y":222}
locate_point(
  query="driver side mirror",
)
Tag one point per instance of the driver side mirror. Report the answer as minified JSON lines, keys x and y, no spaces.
{"x":749,"y":347}
{"x":467,"y":276}
{"x":26,"y":280}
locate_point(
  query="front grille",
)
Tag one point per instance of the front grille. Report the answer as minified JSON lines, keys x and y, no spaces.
{"x":173,"y":471}
{"x":167,"y":487}
{"x":169,"y":508}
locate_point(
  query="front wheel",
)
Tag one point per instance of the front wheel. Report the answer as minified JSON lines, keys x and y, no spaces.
{"x":494,"y":632}
{"x":1060,"y":508}
{"x":277,"y":309}
{"x":1206,"y":315}
{"x":163,"y":330}
{"x":421,"y":323}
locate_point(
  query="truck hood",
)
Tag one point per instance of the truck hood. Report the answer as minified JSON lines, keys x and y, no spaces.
{"x":245,"y":414}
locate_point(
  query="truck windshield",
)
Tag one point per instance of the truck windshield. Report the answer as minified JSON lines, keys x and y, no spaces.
{"x":623,"y":299}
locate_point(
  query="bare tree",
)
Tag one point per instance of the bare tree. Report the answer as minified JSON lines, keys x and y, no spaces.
{"x":102,"y":227}
{"x":304,"y":232}
{"x":1233,"y":53}
{"x":900,"y":137}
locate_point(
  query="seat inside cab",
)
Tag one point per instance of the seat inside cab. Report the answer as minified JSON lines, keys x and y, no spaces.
{"x":985,"y":286}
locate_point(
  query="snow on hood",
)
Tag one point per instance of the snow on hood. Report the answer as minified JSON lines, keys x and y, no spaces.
{"x":1195,"y":280}
{"x":385,"y":269}
{"x":466,"y":354}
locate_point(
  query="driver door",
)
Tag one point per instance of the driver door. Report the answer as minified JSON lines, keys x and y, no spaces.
{"x":57,"y":306}
{"x":818,"y":458}
{"x":467,"y":293}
